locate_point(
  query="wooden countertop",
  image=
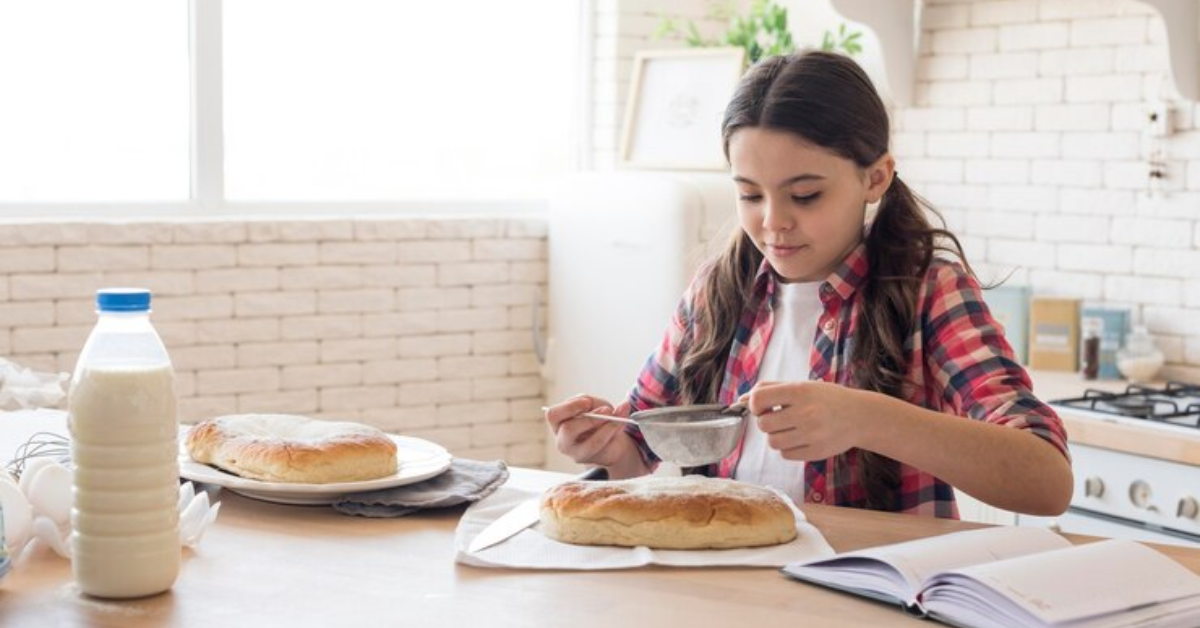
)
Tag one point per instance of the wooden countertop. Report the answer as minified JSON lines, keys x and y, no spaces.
{"x":266,"y":564}
{"x":1145,"y":441}
{"x":272,"y":565}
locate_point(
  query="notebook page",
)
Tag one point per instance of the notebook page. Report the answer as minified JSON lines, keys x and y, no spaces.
{"x":918,"y":560}
{"x":1067,"y":586}
{"x":958,"y":601}
{"x":898,"y":570}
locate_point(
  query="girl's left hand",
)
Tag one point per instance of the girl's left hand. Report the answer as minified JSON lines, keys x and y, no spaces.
{"x":805,"y":420}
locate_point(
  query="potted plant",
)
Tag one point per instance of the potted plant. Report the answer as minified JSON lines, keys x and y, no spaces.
{"x":763,"y":32}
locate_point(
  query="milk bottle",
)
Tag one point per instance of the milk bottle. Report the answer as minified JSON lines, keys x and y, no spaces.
{"x":123,"y":443}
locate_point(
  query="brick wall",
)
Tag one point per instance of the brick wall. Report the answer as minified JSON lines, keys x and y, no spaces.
{"x":1027,"y":134}
{"x":417,"y":326}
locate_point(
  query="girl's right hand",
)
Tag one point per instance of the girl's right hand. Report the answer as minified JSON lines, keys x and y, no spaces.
{"x":592,"y":441}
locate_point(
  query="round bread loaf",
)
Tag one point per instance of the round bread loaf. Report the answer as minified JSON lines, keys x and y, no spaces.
{"x":293,"y":449}
{"x":691,"y":512}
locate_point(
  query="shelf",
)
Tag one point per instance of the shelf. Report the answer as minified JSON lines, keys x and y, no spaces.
{"x":897,"y":25}
{"x":1182,"y":20}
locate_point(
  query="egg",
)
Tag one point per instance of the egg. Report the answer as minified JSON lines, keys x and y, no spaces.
{"x":50,"y":493}
{"x":33,"y":466}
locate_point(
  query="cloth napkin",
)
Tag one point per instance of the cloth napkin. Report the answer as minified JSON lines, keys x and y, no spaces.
{"x":466,"y":481}
{"x":532,"y":550}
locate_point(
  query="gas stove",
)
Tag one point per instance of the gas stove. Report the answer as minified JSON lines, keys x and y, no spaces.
{"x":1118,"y":493}
{"x":1174,"y":406}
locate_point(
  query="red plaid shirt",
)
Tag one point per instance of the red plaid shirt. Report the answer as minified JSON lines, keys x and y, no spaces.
{"x":958,"y":360}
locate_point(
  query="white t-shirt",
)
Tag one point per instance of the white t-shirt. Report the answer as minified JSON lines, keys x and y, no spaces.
{"x":797,"y":309}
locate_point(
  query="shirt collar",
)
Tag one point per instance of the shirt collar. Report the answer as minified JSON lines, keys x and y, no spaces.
{"x":844,"y":280}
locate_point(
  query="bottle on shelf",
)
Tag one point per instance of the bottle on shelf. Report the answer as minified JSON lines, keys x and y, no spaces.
{"x":1091,"y":348}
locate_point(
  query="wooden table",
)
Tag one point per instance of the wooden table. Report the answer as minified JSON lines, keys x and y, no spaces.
{"x":271,"y":565}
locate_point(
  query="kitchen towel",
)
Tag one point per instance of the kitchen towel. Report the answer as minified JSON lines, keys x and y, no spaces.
{"x":466,"y":481}
{"x":532,"y":550}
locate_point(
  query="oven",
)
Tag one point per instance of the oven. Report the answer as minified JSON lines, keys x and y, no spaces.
{"x":1126,"y":495}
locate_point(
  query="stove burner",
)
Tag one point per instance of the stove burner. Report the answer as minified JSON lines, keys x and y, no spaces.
{"x":1132,"y":407}
{"x":1177,"y":403}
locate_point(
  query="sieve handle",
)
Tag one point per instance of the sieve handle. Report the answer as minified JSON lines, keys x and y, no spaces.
{"x":606,"y":417}
{"x":602,"y":417}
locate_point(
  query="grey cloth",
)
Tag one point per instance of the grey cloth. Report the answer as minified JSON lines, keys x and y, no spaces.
{"x":466,"y":481}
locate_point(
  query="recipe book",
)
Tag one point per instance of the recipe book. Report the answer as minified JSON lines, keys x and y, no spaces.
{"x":1008,"y":577}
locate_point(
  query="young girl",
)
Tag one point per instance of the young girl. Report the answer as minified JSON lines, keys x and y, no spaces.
{"x":878,"y":377}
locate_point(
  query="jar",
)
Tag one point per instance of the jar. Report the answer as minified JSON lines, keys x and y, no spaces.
{"x":1139,"y":360}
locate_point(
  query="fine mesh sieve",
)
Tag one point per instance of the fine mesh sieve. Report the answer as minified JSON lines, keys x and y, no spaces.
{"x":688,"y":436}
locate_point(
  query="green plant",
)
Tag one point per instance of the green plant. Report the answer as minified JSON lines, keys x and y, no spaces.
{"x":846,"y":42}
{"x":763,"y":32}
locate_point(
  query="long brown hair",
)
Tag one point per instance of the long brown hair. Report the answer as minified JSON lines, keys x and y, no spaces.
{"x":827,"y":100}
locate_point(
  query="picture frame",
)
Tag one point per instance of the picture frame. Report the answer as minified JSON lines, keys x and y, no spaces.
{"x":676,"y":101}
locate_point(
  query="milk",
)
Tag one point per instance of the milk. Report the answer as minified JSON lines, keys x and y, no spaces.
{"x":124,"y":514}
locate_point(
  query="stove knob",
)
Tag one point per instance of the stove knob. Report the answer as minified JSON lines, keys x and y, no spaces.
{"x":1139,"y":493}
{"x":1093,"y":487}
{"x":1188,"y":508}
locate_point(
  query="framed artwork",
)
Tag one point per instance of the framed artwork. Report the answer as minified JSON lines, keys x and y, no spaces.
{"x":676,"y":102}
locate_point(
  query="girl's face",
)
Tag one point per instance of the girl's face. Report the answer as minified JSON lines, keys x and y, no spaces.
{"x":802,"y":205}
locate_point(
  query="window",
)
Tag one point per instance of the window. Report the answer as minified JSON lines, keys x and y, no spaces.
{"x":95,"y":100}
{"x":378,"y":99}
{"x":315,"y":101}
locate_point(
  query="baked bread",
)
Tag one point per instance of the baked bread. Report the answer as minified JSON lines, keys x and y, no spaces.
{"x":294,"y":449}
{"x":691,"y":512}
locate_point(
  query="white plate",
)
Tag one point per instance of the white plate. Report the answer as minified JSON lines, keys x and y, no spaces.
{"x":419,"y":460}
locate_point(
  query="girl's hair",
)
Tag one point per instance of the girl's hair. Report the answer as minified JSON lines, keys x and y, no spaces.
{"x":827,"y":100}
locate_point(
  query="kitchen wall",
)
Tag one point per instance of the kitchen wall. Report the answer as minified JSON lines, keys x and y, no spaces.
{"x":1027,"y":133}
{"x":419,"y":326}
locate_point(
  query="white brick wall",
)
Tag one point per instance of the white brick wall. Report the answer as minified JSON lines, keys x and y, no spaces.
{"x":418,"y":326}
{"x":1027,"y":134}
{"x":1061,"y":195}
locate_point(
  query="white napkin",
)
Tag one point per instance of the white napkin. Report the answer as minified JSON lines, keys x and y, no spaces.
{"x":532,"y":550}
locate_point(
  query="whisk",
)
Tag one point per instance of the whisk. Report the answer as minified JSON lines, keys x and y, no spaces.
{"x":40,"y":445}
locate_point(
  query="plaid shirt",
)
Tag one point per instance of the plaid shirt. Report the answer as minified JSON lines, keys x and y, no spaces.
{"x":958,"y":361}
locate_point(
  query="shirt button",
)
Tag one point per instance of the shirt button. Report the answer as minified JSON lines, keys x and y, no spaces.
{"x":828,"y":326}
{"x":818,"y":497}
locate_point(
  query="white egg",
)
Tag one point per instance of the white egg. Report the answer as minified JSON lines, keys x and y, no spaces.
{"x":33,"y":466}
{"x":50,"y":493}
{"x":18,"y":514}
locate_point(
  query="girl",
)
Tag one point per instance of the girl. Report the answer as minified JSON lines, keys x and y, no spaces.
{"x":877,"y":374}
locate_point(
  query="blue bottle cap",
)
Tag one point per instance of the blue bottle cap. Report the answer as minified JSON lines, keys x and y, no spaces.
{"x":123,"y":300}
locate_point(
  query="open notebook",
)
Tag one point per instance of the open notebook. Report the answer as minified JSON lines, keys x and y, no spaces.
{"x":1018,"y":577}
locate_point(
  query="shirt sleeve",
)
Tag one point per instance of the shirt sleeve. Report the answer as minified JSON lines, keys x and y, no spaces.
{"x":658,"y":383}
{"x":972,"y":363}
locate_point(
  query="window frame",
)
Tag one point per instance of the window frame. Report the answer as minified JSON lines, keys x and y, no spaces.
{"x":207,"y":199}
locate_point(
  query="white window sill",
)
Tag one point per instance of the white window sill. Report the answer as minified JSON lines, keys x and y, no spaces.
{"x":437,"y":208}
